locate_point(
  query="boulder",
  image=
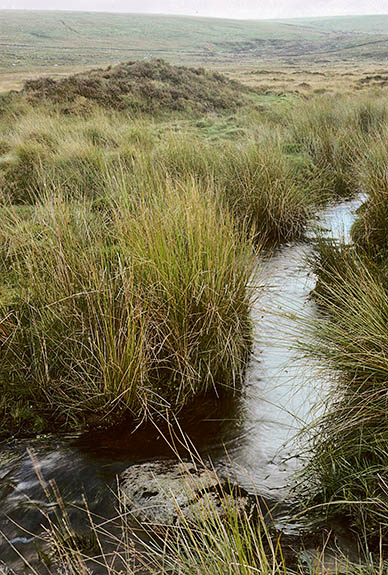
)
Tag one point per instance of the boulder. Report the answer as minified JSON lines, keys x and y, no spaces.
{"x":169,"y":492}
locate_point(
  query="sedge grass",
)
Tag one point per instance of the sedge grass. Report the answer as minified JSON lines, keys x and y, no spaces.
{"x":137,"y":306}
{"x":370,"y":228}
{"x":350,"y":442}
{"x":335,"y":132}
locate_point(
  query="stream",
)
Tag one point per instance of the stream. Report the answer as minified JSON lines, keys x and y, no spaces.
{"x":257,"y":433}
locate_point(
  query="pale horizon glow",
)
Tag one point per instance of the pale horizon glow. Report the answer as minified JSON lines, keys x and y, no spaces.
{"x":239,"y":9}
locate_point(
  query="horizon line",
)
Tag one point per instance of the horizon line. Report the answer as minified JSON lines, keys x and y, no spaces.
{"x":201,"y":17}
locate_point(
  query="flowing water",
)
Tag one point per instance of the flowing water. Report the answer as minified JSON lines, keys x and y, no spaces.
{"x":284,"y":389}
{"x":258,"y":431}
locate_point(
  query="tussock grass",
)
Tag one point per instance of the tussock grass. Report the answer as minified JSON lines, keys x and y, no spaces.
{"x":127,"y":244}
{"x":140,"y":306}
{"x":370,"y":229}
{"x":335,"y":131}
{"x":350,"y":446}
{"x":262,"y":187}
{"x":258,"y":183}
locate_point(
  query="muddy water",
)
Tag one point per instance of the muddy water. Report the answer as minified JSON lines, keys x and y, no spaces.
{"x":258,"y":432}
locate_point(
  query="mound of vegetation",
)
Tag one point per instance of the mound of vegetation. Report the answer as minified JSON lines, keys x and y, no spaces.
{"x":143,"y":86}
{"x":141,"y":307}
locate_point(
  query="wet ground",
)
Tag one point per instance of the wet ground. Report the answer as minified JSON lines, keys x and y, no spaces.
{"x":256,"y":434}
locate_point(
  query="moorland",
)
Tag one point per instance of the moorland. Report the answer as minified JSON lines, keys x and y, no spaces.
{"x":147,"y":165}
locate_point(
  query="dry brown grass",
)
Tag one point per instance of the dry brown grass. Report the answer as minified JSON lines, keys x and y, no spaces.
{"x":311,"y":79}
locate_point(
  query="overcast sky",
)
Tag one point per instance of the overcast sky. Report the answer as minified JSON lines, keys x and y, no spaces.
{"x":220,"y":8}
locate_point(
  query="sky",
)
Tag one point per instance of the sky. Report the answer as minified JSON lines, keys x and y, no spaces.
{"x":218,"y":8}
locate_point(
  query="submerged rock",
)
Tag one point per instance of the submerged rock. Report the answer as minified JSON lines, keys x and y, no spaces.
{"x":168,"y":492}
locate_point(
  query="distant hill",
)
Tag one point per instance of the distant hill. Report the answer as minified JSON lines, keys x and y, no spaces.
{"x":142,"y":86}
{"x":372,"y":24}
{"x":33,"y":40}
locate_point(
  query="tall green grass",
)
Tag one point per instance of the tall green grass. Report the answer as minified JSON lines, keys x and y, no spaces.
{"x":351,"y":441}
{"x":258,"y":182}
{"x":141,"y":305}
{"x":126,"y":246}
{"x":335,"y":132}
{"x":370,"y":229}
{"x":350,"y":446}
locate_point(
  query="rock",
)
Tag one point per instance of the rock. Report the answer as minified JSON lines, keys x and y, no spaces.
{"x":168,"y":492}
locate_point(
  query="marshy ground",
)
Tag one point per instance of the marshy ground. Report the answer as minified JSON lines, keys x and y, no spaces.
{"x":158,"y":264}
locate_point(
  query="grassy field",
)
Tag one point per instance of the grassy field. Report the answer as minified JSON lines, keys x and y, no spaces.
{"x":58,"y":42}
{"x":94,"y":322}
{"x":136,"y":200}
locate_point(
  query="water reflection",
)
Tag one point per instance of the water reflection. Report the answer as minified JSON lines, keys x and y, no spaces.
{"x":284,"y":389}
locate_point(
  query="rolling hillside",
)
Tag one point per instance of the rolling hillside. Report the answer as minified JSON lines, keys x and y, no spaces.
{"x":49,"y":38}
{"x":58,"y":43}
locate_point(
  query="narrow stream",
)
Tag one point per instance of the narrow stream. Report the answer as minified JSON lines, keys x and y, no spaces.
{"x":259,"y":434}
{"x":284,"y":390}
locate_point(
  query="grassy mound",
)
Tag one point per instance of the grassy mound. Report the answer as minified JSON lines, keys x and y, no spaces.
{"x":144,"y":87}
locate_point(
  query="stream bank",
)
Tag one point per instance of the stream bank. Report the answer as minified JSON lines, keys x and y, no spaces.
{"x":256,"y":434}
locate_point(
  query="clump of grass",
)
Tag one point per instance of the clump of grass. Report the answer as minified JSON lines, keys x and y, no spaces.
{"x":370,"y":229}
{"x":257,"y":181}
{"x":350,"y":447}
{"x":261,"y":187}
{"x":217,"y":541}
{"x":74,"y":153}
{"x":141,"y":305}
{"x":335,"y":132}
